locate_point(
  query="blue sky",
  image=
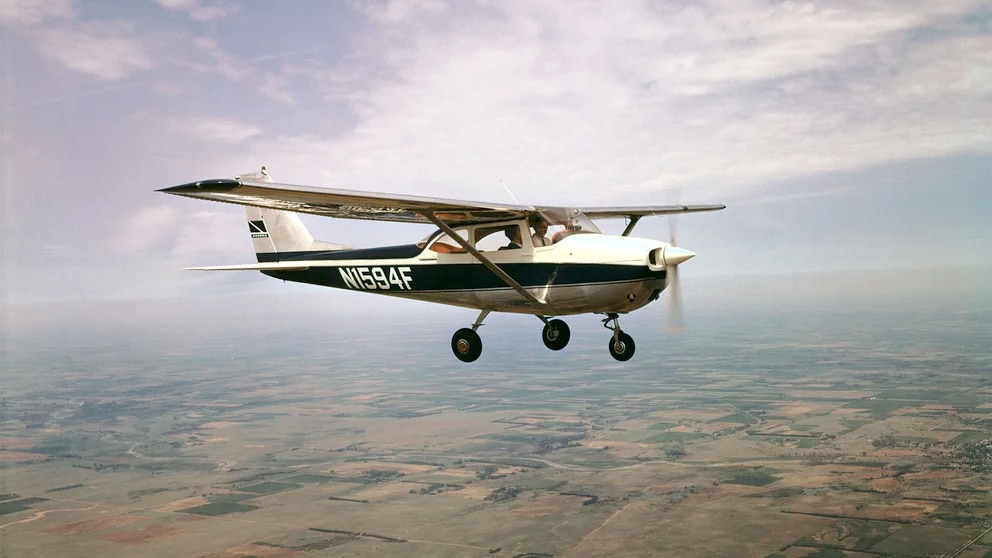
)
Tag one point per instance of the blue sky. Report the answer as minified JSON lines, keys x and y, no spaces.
{"x":854,"y":135}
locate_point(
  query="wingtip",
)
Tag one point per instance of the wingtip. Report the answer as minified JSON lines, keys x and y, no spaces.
{"x":211,"y":185}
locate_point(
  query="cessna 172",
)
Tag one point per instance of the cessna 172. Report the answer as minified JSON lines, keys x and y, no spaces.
{"x":482,"y":255}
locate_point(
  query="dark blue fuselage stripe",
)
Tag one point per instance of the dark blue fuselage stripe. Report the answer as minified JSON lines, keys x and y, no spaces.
{"x":401,"y":252}
{"x":456,"y":277}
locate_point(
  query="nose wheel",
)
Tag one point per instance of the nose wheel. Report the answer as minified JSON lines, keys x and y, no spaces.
{"x":622,"y":348}
{"x":556,"y":335}
{"x":621,"y":345}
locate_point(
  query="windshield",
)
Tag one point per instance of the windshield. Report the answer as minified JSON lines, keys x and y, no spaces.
{"x":571,"y":219}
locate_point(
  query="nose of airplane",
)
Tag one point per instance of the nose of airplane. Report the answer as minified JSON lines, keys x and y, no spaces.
{"x":674,"y":255}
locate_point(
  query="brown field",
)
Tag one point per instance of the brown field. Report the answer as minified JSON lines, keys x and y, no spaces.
{"x":542,"y":505}
{"x":257,"y":550}
{"x":306,"y":431}
{"x":906,"y":510}
{"x":145,"y":535}
{"x":367,"y":397}
{"x":383,"y":491}
{"x":190,"y":502}
{"x":95,"y":524}
{"x":17,"y":443}
{"x":475,"y":492}
{"x":18,"y":456}
{"x":219,"y":424}
{"x":831,"y":394}
{"x":358,"y":467}
{"x":689,"y":415}
{"x":805,"y":409}
{"x":938,"y":474}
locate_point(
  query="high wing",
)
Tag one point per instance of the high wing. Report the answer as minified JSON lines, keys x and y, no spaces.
{"x":647,"y":210}
{"x":354,"y":204}
{"x":348,"y":204}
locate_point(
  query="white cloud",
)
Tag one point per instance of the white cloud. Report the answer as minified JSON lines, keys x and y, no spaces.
{"x":399,"y":11}
{"x":167,"y":231}
{"x":200,"y":11}
{"x":223,"y":130}
{"x":275,"y":88}
{"x":146,"y":228}
{"x":32,"y":12}
{"x":608,"y":101}
{"x":219,"y":61}
{"x":108,"y":50}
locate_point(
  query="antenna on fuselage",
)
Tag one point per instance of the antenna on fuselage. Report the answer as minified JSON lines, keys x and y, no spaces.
{"x":515,"y":200}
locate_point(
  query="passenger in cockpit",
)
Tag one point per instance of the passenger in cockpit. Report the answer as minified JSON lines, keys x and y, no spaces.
{"x":540,"y":230}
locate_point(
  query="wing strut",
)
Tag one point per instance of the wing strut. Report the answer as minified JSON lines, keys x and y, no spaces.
{"x":630,"y":226}
{"x":538,"y":303}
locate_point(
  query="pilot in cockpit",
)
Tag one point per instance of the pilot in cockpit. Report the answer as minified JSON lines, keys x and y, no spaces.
{"x":512,"y":233}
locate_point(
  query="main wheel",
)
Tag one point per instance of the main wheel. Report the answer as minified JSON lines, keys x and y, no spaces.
{"x":466,"y":344}
{"x":556,"y":335}
{"x":623,"y":348}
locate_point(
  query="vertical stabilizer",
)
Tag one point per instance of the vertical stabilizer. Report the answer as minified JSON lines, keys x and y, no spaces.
{"x":276,"y":232}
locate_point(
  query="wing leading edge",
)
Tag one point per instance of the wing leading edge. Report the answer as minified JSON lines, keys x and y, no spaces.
{"x":354,"y":204}
{"x":347,"y":204}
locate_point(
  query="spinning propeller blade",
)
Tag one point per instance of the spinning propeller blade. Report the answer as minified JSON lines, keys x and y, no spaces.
{"x":675,"y":325}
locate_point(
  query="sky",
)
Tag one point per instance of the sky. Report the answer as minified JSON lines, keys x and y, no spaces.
{"x":842,"y":136}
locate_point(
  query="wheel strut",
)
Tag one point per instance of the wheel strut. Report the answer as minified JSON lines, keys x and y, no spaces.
{"x":478,"y":321}
{"x":612,"y":322}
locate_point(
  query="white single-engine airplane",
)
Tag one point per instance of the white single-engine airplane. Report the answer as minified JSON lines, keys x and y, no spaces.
{"x":482,"y":256}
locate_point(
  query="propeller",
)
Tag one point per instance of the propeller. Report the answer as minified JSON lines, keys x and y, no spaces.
{"x":675,"y":325}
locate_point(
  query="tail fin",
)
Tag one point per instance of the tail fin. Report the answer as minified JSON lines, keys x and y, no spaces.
{"x":275,"y":232}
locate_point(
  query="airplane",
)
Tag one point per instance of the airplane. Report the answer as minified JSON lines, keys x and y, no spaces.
{"x":482,"y":255}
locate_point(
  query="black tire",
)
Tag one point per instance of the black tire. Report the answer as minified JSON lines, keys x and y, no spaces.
{"x":556,"y":335}
{"x":466,"y":344}
{"x":623,"y":348}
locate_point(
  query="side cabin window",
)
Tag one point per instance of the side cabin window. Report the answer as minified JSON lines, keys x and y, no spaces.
{"x":498,"y":237}
{"x":444,"y":244}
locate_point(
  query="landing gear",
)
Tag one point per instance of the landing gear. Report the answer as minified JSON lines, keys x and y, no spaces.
{"x":555,"y":335}
{"x":621,"y":345}
{"x":466,"y":344}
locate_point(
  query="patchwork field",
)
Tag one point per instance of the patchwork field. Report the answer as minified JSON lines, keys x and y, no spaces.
{"x":722,"y":445}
